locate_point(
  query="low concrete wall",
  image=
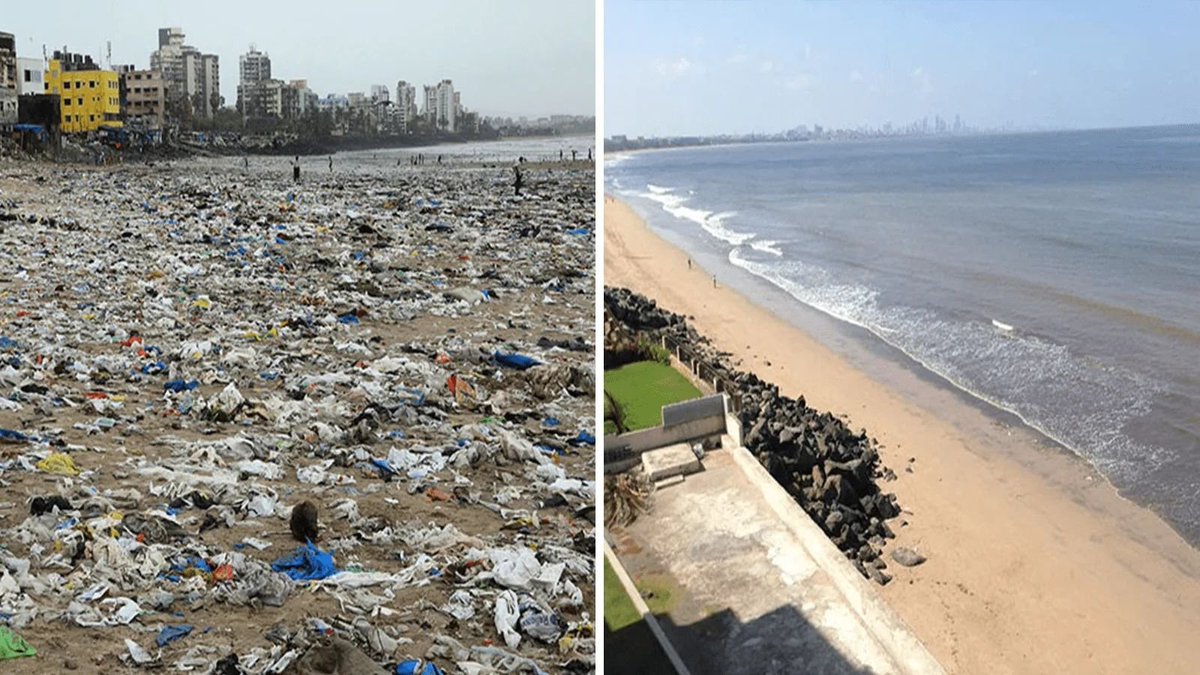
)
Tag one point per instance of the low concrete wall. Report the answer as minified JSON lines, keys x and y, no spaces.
{"x":695,"y":420}
{"x":889,"y":630}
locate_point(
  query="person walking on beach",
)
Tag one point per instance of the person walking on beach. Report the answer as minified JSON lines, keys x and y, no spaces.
{"x":689,"y":263}
{"x":331,"y":164}
{"x":296,"y":169}
{"x":518,"y":182}
{"x":573,"y":155}
{"x":714,"y":281}
{"x":245,"y":162}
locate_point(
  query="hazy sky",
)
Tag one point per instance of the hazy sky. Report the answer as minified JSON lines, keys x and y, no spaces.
{"x":510,"y":57}
{"x":709,"y":67}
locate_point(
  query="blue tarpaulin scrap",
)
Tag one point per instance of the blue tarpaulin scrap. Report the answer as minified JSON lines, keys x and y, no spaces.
{"x":418,"y":667}
{"x":515,"y":361}
{"x":181,"y":385}
{"x":10,"y":436}
{"x":584,"y":438}
{"x":349,"y":319}
{"x":307,"y":563}
{"x":170,"y":634}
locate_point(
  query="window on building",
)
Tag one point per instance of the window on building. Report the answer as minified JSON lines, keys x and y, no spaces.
{"x":79,"y":101}
{"x":66,"y":101}
{"x":92,"y":84}
{"x":28,"y":75}
{"x":91,"y":118}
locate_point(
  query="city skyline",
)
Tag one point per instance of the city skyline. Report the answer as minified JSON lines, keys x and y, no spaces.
{"x":492,"y":52}
{"x":702,"y":68}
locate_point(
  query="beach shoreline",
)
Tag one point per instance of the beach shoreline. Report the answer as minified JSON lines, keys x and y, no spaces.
{"x":1035,"y":562}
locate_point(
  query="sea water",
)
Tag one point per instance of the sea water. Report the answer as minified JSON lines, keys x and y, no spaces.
{"x":1055,"y":276}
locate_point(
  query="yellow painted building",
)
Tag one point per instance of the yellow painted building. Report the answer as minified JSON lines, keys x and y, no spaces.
{"x":90,"y":99}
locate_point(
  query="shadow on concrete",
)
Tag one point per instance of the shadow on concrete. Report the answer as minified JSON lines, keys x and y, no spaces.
{"x":780,"y":642}
{"x":633,"y":649}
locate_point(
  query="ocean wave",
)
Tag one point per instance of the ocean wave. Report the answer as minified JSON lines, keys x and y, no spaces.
{"x":710,"y":222}
{"x":1078,"y":402}
{"x":767,"y":246}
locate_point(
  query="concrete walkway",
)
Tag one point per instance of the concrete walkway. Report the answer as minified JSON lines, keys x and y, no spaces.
{"x":757,"y":587}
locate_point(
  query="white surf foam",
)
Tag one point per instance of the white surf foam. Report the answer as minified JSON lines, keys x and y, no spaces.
{"x":712,"y":223}
{"x":1077,"y":402}
{"x":766,"y":246}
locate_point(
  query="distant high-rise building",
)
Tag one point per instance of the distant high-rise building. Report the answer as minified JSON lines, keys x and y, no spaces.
{"x":254,"y":66}
{"x":192,"y":79}
{"x":406,"y":104}
{"x":379,"y":93}
{"x":442,"y":106}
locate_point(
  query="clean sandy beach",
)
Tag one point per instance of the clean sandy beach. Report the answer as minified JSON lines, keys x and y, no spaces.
{"x":1035,"y":563}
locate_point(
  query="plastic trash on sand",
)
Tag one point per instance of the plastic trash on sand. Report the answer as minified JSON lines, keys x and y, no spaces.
{"x":59,"y":463}
{"x":506,"y":617}
{"x":13,"y":646}
{"x":307,"y":563}
{"x":515,"y":361}
{"x":418,"y":667}
{"x":407,"y":348}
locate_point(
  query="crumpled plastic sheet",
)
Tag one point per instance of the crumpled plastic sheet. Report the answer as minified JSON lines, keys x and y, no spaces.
{"x":307,"y":563}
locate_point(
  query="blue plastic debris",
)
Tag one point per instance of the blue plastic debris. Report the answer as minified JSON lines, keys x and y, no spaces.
{"x":418,"y":667}
{"x":8,"y":343}
{"x":170,"y":634}
{"x":515,"y":361}
{"x":550,"y":422}
{"x":349,"y":319}
{"x":584,"y":438}
{"x":385,"y":468}
{"x":10,"y":436}
{"x":579,"y":232}
{"x":181,"y":385}
{"x":306,"y":563}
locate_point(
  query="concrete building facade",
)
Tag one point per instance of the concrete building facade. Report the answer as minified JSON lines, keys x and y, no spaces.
{"x":8,"y":79}
{"x":442,"y":106}
{"x":91,"y":97}
{"x":31,"y":76}
{"x":144,"y":96}
{"x":261,"y":99}
{"x":254,"y":66}
{"x":192,"y":79}
{"x":406,"y":104}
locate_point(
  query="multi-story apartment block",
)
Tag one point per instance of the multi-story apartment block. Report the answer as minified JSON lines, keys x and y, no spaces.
{"x":90,"y":97}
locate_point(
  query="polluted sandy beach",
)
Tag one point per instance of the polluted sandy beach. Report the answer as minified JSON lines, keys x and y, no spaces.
{"x":191,"y":349}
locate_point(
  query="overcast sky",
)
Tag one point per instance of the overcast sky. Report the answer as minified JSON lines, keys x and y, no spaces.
{"x":509,"y":57}
{"x":698,"y":67}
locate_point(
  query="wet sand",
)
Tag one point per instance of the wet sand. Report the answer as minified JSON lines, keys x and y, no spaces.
{"x":1035,"y":565}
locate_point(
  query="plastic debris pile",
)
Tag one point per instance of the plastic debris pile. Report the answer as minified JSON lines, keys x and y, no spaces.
{"x":188,"y":352}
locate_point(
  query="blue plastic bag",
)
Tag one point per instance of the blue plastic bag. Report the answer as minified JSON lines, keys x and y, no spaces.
{"x":515,"y":361}
{"x":418,"y":667}
{"x":181,"y":385}
{"x":307,"y":563}
{"x":170,"y":634}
